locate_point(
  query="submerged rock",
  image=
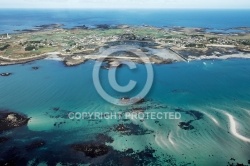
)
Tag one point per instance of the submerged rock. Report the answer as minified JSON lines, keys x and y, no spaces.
{"x":49,"y":26}
{"x":35,"y":68}
{"x":102,"y":138}
{"x":35,"y":145}
{"x":195,"y":114}
{"x":56,"y":108}
{"x":95,"y":148}
{"x":122,"y":128}
{"x":10,"y":120}
{"x":5,"y":74}
{"x":186,"y":125}
{"x":131,"y":129}
{"x":92,"y":150}
{"x":130,"y":157}
{"x":138,"y":110}
{"x":127,"y":100}
{"x":109,"y":156}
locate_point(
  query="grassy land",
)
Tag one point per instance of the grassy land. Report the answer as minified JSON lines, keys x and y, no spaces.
{"x":78,"y":40}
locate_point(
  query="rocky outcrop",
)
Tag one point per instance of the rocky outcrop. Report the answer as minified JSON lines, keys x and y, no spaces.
{"x":92,"y":150}
{"x":186,"y":125}
{"x":121,"y":128}
{"x":74,"y":60}
{"x":158,"y":60}
{"x":5,"y":74}
{"x":95,"y":148}
{"x":127,"y":100}
{"x":11,"y":120}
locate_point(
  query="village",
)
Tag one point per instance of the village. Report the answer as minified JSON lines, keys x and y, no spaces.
{"x":185,"y":42}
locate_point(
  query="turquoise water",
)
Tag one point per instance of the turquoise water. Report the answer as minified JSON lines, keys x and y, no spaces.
{"x":217,"y":89}
{"x":19,"y":19}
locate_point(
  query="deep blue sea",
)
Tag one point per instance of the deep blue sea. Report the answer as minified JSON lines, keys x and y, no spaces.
{"x":17,"y":19}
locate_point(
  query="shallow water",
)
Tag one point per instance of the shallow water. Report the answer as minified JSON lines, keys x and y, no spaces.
{"x":218,"y":90}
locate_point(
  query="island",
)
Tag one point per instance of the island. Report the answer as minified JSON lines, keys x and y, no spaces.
{"x":161,"y":45}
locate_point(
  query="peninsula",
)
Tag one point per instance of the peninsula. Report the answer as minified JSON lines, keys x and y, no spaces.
{"x":161,"y":45}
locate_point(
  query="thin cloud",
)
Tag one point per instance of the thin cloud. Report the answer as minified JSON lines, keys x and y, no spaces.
{"x":125,"y":4}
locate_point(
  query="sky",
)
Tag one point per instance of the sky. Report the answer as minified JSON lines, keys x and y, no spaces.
{"x":200,"y":4}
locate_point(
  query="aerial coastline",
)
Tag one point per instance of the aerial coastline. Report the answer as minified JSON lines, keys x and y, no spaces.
{"x":162,"y":45}
{"x":66,"y":78}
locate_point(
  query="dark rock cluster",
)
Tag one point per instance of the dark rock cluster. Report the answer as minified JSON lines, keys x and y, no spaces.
{"x":130,"y":157}
{"x":35,"y":68}
{"x":121,"y":128}
{"x":5,"y":74}
{"x":96,"y":147}
{"x":91,"y":150}
{"x":81,"y":27}
{"x":131,"y":129}
{"x":10,"y":120}
{"x":195,"y":114}
{"x":186,"y":125}
{"x":35,"y":145}
{"x":103,"y":26}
